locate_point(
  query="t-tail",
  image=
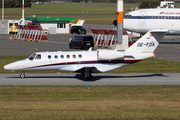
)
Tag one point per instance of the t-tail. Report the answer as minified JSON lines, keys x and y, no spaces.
{"x":80,"y":22}
{"x":146,"y":45}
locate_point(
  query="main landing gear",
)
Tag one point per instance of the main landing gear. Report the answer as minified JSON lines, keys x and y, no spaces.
{"x":87,"y":74}
{"x":22,"y":75}
{"x":89,"y":77}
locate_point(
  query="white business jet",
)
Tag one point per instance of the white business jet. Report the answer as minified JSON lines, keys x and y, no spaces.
{"x":87,"y":62}
{"x":144,"y":20}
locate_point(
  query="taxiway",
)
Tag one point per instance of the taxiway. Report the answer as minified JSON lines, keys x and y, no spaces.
{"x":98,"y":79}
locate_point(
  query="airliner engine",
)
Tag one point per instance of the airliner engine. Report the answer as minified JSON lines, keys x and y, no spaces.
{"x":109,"y":55}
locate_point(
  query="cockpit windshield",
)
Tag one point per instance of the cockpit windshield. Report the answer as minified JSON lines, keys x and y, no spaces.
{"x":127,"y":16}
{"x":31,"y":57}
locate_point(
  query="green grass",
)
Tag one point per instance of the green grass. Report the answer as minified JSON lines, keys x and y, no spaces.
{"x":71,"y":9}
{"x":77,"y":9}
{"x":145,"y":66}
{"x":150,"y":66}
{"x":66,"y":9}
{"x":99,"y":102}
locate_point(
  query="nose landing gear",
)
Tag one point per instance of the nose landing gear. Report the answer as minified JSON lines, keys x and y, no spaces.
{"x":22,"y":75}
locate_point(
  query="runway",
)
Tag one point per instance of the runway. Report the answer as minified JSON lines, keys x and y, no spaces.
{"x":98,"y":79}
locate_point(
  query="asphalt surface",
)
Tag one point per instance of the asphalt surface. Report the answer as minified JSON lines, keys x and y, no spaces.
{"x":98,"y":79}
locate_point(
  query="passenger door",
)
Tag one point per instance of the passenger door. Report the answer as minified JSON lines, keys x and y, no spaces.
{"x":142,"y":23}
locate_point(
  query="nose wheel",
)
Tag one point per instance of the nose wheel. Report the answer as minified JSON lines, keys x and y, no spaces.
{"x":22,"y":75}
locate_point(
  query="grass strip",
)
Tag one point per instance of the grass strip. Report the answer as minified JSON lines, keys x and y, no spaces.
{"x":83,"y":11}
{"x":100,"y":102}
{"x":71,"y":8}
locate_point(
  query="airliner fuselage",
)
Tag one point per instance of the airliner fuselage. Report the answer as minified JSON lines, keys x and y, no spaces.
{"x":144,"y":20}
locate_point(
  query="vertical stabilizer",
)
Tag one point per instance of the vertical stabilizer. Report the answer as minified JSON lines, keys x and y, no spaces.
{"x":80,"y":22}
{"x":146,"y":44}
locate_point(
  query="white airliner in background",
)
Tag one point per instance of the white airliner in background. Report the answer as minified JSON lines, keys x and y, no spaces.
{"x":87,"y":62}
{"x":144,"y":20}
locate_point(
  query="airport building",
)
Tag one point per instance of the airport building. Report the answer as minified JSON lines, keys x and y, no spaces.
{"x":5,"y":25}
{"x":53,"y":25}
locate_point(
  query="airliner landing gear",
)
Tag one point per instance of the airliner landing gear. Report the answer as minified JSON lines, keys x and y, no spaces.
{"x":22,"y":75}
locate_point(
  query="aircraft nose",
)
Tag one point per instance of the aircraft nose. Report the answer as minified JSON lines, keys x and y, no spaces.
{"x":11,"y":66}
{"x":19,"y":65}
{"x":7,"y":67}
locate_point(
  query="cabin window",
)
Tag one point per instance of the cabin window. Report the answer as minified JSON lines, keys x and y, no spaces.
{"x":68,"y":56}
{"x":62,"y":56}
{"x":49,"y":56}
{"x":32,"y":57}
{"x":56,"y":57}
{"x":74,"y":56}
{"x":38,"y":56}
{"x":80,"y":56}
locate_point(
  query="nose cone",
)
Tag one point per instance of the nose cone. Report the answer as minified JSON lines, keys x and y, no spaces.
{"x":8,"y":67}
{"x":13,"y":66}
{"x":16,"y":66}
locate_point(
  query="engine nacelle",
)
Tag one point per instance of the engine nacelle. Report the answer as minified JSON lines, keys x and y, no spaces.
{"x":109,"y":55}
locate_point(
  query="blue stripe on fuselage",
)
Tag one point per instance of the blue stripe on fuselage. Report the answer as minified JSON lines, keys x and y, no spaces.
{"x":154,"y":17}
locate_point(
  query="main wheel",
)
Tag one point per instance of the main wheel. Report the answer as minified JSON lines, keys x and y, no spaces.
{"x":22,"y":75}
{"x":89,"y":77}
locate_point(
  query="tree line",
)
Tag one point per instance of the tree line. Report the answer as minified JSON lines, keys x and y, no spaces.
{"x":109,"y":1}
{"x":97,"y":1}
{"x":15,"y":3}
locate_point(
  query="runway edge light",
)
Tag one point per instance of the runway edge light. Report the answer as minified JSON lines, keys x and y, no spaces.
{"x":89,"y":86}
